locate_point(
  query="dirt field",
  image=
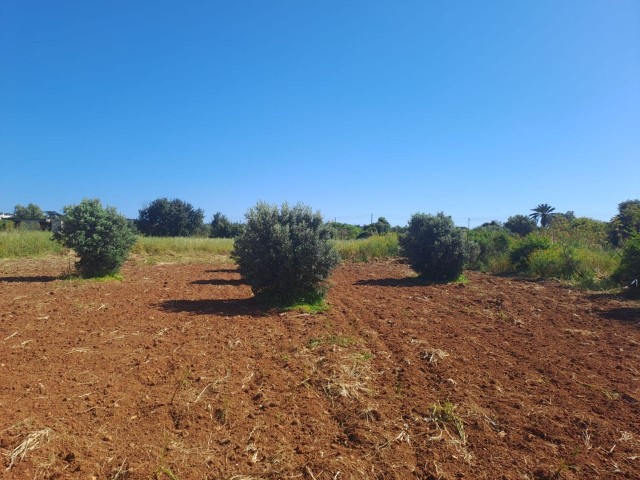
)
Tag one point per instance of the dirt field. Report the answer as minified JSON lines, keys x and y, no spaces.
{"x":176,"y":373}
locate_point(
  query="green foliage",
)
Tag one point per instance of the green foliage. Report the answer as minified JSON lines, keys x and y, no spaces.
{"x":376,"y":247}
{"x":579,"y":232}
{"x":492,"y":243}
{"x":629,"y":268}
{"x":435,"y":247}
{"x":344,"y":231}
{"x":584,"y":265}
{"x":382,"y":226}
{"x":222,"y":227}
{"x":285,"y":254}
{"x":101,"y":237}
{"x":18,"y":243}
{"x":520,"y":225}
{"x":170,"y":218}
{"x":6,"y":226}
{"x":542,"y":212}
{"x":524,"y":247}
{"x":626,"y":223}
{"x":30,"y":212}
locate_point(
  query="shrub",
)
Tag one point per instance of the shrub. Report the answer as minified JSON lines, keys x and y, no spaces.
{"x":344,"y":231}
{"x":520,"y":225}
{"x":493,"y":243}
{"x":587,"y":267}
{"x":285,"y":254}
{"x":629,"y":268}
{"x":523,"y":249}
{"x":170,"y":218}
{"x":101,"y":237}
{"x":222,"y":227}
{"x":626,"y":223}
{"x":435,"y":247}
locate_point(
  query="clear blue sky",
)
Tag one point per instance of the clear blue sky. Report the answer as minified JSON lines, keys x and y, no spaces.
{"x":480,"y":109}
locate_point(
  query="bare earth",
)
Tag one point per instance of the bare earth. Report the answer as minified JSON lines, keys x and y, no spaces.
{"x":176,"y":372}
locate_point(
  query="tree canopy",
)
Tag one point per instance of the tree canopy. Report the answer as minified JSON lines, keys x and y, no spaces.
{"x":542,"y":212}
{"x":170,"y":218}
{"x":30,"y":212}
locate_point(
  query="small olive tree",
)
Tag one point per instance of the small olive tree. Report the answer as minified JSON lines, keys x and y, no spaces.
{"x":435,"y":248}
{"x":101,"y":237}
{"x":285,"y":254}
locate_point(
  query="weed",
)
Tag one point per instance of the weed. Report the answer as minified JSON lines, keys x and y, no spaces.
{"x":444,"y":414}
{"x":363,"y":356}
{"x":182,"y":383}
{"x":165,"y":472}
{"x":317,"y":305}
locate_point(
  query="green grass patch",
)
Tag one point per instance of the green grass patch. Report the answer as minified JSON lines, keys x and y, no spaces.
{"x":444,"y":414}
{"x":377,"y":247}
{"x":20,"y":243}
{"x":319,"y":306}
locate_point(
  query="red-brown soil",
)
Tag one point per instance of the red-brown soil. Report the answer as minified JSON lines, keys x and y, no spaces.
{"x":175,"y":372}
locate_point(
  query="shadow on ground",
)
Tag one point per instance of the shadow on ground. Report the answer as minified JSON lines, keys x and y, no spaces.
{"x":35,"y":279}
{"x":624,"y":314}
{"x":222,"y":270}
{"x":219,"y":281}
{"x":229,"y":308}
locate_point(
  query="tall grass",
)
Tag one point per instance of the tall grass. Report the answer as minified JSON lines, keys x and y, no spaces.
{"x":20,"y":243}
{"x":181,"y":249}
{"x":372,"y":248}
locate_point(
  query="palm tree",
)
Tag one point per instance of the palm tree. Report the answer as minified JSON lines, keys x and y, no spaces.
{"x":542,"y":212}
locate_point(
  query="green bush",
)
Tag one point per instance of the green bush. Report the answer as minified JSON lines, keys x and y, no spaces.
{"x":285,"y":254}
{"x":520,"y":225}
{"x":523,"y":248}
{"x":588,"y":268}
{"x":626,"y":223}
{"x":222,"y":227}
{"x":493,"y":243}
{"x":101,"y":237}
{"x":629,"y":268}
{"x":435,"y":247}
{"x":170,"y":218}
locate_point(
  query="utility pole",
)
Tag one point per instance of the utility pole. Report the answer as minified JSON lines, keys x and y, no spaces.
{"x":372,"y":218}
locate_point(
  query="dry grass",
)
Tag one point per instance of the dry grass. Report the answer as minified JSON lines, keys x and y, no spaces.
{"x":349,"y":380}
{"x":33,"y":441}
{"x":433,"y":355}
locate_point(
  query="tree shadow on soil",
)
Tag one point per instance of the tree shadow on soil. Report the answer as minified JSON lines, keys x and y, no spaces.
{"x":219,"y":281}
{"x":222,"y":270}
{"x":628,"y":312}
{"x":34,"y":279}
{"x":629,"y":315}
{"x":229,"y":308}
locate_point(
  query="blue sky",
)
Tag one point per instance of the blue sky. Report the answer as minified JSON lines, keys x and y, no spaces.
{"x":480,"y":109}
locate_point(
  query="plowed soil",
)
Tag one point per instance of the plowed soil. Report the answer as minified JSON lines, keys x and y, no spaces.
{"x":176,"y":372}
